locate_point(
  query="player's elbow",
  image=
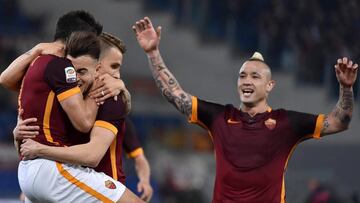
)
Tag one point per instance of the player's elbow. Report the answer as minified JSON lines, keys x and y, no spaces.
{"x":85,"y":126}
{"x":92,"y":161}
{"x":93,"y":164}
{"x":3,"y":81}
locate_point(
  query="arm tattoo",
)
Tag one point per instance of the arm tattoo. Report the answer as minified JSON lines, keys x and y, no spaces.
{"x":344,"y":107}
{"x":169,"y":86}
{"x":326,"y":123}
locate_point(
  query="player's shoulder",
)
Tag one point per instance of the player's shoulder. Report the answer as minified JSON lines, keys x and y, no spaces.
{"x":112,"y":107}
{"x":295,"y":115}
{"x":56,"y":59}
{"x":210,"y":104}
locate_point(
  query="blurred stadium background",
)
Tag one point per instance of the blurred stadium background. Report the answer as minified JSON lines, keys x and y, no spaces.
{"x":204,"y":43}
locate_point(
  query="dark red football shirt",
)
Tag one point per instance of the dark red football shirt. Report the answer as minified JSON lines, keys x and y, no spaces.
{"x":49,"y":80}
{"x":252,"y":152}
{"x":111,"y":115}
{"x":130,"y":143}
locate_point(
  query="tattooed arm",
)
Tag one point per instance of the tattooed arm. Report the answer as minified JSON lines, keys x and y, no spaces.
{"x":12,"y":76}
{"x":149,"y":40}
{"x":339,"y":119}
{"x":168,"y":84}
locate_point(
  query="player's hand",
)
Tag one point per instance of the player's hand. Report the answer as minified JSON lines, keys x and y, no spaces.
{"x":53,"y":48}
{"x":146,"y":190}
{"x":23,"y":129}
{"x":29,"y":149}
{"x":346,"y":72}
{"x":147,"y":37}
{"x":106,"y":87}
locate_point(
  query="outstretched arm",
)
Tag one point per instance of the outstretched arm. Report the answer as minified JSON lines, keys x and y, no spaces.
{"x":12,"y":76}
{"x":149,"y":39}
{"x":339,"y":119}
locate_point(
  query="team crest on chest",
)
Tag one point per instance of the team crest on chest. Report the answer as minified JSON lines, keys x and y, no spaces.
{"x":270,"y":123}
{"x":70,"y":74}
{"x":109,"y":184}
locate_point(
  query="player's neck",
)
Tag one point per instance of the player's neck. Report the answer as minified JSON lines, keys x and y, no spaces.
{"x":253,"y":110}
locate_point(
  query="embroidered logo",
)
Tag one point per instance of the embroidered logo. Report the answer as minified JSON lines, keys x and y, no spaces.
{"x":270,"y":123}
{"x":109,"y":184}
{"x":70,"y":74}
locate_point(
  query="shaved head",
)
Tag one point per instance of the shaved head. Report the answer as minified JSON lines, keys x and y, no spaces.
{"x":258,"y":65}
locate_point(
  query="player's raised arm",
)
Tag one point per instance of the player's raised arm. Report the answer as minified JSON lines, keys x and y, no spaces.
{"x":12,"y":76}
{"x":149,"y":39}
{"x":339,"y":119}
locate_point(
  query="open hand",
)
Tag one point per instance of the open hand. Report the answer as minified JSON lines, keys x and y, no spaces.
{"x":346,"y":72}
{"x":107,"y":86}
{"x":147,"y":37}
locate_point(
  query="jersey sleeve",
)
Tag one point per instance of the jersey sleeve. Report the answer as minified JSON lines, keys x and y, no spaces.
{"x":131,"y":142}
{"x":306,"y":125}
{"x":60,"y":75}
{"x":111,"y":115}
{"x":204,"y":113}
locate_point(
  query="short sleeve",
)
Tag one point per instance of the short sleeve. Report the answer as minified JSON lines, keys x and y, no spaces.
{"x":204,"y":113}
{"x":111,"y":115}
{"x":306,"y":125}
{"x":131,"y":142}
{"x":60,"y":75}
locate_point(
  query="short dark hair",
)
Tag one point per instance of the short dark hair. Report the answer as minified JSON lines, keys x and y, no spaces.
{"x":109,"y":40}
{"x":78,"y":20}
{"x":83,"y":43}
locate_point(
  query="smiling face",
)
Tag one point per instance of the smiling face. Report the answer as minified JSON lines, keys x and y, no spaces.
{"x":83,"y":49}
{"x":85,"y":67}
{"x":254,"y":83}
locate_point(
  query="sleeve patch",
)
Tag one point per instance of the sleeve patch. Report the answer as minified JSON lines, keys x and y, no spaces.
{"x":70,"y":74}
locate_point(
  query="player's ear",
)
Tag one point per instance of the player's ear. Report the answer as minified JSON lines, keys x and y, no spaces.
{"x":270,"y":85}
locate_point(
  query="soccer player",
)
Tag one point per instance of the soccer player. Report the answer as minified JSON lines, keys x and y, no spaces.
{"x":111,"y":164}
{"x":52,"y":75}
{"x":253,"y":142}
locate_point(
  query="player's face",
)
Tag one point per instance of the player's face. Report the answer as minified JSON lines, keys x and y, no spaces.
{"x":111,"y":62}
{"x":85,"y":67}
{"x":254,"y":83}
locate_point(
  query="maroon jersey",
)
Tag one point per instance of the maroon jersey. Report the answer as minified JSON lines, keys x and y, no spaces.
{"x":49,"y":80}
{"x":111,"y":116}
{"x":252,"y":152}
{"x":129,"y":140}
{"x":131,"y":144}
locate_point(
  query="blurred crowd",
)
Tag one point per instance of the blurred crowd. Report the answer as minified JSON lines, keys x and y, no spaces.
{"x":18,"y":32}
{"x":301,"y":36}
